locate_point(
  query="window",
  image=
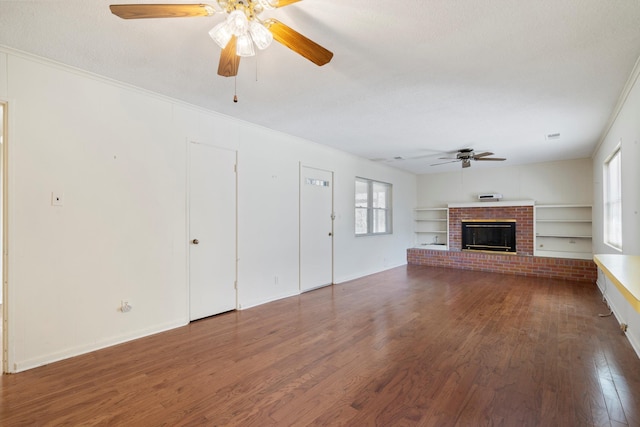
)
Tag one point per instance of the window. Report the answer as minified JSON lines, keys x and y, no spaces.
{"x":373,"y":207}
{"x":613,"y":200}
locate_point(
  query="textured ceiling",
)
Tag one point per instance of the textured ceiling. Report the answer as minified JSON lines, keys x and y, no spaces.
{"x":417,"y":78}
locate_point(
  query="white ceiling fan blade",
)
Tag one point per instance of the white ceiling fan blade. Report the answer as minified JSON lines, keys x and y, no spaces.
{"x":444,"y":163}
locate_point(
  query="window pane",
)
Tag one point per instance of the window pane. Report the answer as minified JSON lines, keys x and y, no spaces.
{"x":613,"y":201}
{"x":362,"y":194}
{"x":372,"y":207}
{"x":379,"y":221}
{"x":615,"y":238}
{"x":379,"y":195}
{"x":361,"y":221}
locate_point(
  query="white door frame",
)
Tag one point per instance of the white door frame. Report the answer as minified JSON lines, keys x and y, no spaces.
{"x":5,"y":235}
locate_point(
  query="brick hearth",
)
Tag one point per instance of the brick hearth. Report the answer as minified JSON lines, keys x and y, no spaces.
{"x":522,"y":265}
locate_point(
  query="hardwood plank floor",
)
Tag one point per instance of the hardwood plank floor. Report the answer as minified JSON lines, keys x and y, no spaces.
{"x":412,"y":346}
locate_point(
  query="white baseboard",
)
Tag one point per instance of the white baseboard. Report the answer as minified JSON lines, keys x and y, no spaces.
{"x":366,"y":273}
{"x":19,"y":366}
{"x":619,"y":314}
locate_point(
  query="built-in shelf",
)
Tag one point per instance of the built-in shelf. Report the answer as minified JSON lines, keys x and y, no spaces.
{"x":567,"y":236}
{"x":432,"y":228}
{"x":565,"y":220}
{"x":563,"y":231}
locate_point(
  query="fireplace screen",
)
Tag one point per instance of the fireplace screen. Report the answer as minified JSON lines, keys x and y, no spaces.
{"x":482,"y":235}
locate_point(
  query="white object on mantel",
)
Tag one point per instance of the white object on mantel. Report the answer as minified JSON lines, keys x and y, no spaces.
{"x":493,"y":204}
{"x":490,"y":197}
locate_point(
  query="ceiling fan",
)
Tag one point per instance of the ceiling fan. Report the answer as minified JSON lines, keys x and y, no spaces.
{"x":238,"y":33}
{"x":465,"y":155}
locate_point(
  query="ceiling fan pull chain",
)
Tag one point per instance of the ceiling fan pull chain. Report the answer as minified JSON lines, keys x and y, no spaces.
{"x":235,"y":88}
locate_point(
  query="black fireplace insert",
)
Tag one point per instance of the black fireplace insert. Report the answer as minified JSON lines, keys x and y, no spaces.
{"x":489,"y":235}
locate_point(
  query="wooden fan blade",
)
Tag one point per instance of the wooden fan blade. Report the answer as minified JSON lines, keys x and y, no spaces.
{"x":485,"y":154}
{"x":229,"y":61}
{"x":495,"y":159}
{"x":283,"y":3}
{"x":298,"y":43}
{"x":139,"y":11}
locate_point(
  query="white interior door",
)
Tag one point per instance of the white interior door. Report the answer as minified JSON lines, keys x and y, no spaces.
{"x":212,"y":230}
{"x":316,"y":228}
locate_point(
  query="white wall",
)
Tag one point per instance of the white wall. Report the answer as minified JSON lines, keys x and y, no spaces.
{"x":625,"y":130}
{"x":3,"y":95}
{"x":1,"y":185}
{"x":546,"y":183}
{"x":269,"y":208}
{"x":118,"y":154}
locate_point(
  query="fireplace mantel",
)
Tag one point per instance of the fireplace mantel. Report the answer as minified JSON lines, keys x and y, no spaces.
{"x":505,"y":203}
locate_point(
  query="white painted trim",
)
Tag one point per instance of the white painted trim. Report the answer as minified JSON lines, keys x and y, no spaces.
{"x":617,"y":311}
{"x":301,"y":167}
{"x":351,"y":277}
{"x":493,"y":204}
{"x":8,"y":350}
{"x":275,"y":298}
{"x":634,"y":343}
{"x":4,"y":117}
{"x":89,"y":348}
{"x":622,"y":100}
{"x":9,"y":51}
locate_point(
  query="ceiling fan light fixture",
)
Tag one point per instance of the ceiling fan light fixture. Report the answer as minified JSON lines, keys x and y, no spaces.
{"x":244,"y":45}
{"x":238,"y":23}
{"x":221,"y":34}
{"x":260,"y":35}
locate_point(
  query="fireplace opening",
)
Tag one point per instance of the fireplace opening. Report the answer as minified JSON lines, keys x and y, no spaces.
{"x":489,"y":235}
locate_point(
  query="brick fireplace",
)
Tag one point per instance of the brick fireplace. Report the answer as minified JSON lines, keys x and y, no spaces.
{"x":523,"y":262}
{"x":523,"y":215}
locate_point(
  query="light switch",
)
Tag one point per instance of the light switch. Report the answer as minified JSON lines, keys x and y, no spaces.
{"x":57,"y":198}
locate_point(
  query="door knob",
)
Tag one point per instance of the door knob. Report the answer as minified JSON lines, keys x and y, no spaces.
{"x":195,"y":241}
{"x":330,"y":234}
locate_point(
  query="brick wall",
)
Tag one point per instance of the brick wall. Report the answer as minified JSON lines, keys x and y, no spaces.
{"x":522,"y":214}
{"x":522,"y":265}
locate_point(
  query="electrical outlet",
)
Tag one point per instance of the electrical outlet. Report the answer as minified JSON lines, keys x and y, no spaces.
{"x":125,"y":307}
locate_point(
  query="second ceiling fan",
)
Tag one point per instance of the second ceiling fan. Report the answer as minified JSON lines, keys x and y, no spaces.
{"x":465,"y":156}
{"x":238,"y":33}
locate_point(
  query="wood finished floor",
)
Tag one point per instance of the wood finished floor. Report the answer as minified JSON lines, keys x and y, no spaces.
{"x":411,"y":346}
